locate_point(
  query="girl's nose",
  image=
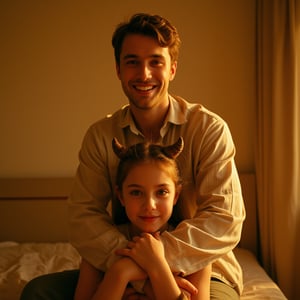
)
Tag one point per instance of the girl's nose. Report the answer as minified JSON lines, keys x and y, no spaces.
{"x":150,"y":203}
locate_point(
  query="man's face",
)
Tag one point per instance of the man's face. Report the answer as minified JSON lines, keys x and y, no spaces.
{"x":145,"y":71}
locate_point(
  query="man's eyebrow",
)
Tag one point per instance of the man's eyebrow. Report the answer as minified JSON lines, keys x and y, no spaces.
{"x":129,"y":56}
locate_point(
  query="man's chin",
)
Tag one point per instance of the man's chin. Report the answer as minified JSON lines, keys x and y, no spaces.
{"x":141,"y":105}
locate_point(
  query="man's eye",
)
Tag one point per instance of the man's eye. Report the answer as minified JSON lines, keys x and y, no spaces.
{"x":131,"y":62}
{"x":157,"y":63}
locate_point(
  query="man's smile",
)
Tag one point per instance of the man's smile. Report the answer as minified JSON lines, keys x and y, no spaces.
{"x":144,"y":88}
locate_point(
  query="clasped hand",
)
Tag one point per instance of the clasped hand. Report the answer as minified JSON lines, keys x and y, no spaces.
{"x":147,"y":251}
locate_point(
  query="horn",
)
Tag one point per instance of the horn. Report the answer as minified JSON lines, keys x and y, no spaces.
{"x":174,"y":150}
{"x":118,"y":148}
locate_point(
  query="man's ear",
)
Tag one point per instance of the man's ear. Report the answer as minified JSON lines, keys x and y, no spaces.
{"x":177,"y":193}
{"x":173,"y":70}
{"x":119,"y":195}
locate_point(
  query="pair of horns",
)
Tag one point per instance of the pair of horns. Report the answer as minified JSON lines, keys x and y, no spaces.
{"x":171,"y":151}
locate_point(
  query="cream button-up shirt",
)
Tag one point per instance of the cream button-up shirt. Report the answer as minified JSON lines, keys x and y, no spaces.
{"x":211,"y":205}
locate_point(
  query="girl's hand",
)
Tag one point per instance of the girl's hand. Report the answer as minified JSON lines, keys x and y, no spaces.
{"x":127,"y":269}
{"x":146,"y":250}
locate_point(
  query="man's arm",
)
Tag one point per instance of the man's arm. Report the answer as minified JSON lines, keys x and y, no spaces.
{"x":91,"y":230}
{"x":212,"y":228}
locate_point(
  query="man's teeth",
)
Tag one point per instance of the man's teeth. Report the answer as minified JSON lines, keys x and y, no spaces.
{"x":144,"y":88}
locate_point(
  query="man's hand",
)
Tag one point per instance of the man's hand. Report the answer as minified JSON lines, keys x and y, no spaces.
{"x":186,"y":286}
{"x":131,"y":294}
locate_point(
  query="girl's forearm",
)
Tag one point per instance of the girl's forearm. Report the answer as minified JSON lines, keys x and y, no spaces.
{"x":163,"y":282}
{"x":116,"y":279}
{"x":112,"y":287}
{"x":89,"y":279}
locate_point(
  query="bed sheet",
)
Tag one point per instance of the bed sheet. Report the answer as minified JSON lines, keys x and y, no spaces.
{"x":20,"y":262}
{"x":257,"y":284}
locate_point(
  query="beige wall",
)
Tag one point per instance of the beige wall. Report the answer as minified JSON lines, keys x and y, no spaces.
{"x":57,"y":74}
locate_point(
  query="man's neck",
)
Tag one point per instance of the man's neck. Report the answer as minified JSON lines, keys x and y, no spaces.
{"x":150,"y":121}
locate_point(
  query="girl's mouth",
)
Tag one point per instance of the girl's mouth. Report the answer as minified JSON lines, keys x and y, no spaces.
{"x":149,"y":218}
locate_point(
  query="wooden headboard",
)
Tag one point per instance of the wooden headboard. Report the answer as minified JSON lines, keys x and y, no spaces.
{"x":35,"y":210}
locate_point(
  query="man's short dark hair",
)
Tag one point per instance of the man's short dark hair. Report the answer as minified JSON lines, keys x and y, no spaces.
{"x":153,"y":26}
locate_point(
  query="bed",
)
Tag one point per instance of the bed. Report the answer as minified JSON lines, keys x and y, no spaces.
{"x":33,"y":236}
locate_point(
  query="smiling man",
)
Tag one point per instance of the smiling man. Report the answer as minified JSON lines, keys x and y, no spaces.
{"x":145,"y":70}
{"x":210,"y":207}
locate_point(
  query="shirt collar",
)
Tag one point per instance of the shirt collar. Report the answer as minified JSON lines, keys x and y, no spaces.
{"x":177,"y":114}
{"x":177,"y":111}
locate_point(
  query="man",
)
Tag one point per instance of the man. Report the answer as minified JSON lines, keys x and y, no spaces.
{"x":211,"y":205}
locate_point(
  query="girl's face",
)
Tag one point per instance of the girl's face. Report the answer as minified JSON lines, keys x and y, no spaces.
{"x":148,"y":194}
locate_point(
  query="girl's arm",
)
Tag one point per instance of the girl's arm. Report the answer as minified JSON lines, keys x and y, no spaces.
{"x":163,"y":282}
{"x":89,"y":279}
{"x":93,"y":284}
{"x":116,"y":279}
{"x":148,"y":252}
{"x":201,"y":280}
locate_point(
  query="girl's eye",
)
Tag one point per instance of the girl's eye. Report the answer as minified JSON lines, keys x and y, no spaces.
{"x":135,"y":192}
{"x":163,"y":193}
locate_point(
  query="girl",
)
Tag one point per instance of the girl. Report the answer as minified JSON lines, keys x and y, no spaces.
{"x":148,"y":186}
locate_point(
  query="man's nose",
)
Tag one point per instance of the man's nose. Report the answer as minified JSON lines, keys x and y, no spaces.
{"x":145,"y":72}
